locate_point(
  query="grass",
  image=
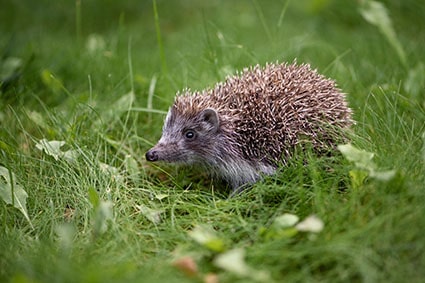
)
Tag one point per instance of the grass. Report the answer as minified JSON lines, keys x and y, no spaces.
{"x":99,"y":75}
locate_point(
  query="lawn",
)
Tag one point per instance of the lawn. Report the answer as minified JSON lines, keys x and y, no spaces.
{"x":84,"y":88}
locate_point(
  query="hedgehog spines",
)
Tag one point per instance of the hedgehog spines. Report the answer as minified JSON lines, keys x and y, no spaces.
{"x":263,"y":114}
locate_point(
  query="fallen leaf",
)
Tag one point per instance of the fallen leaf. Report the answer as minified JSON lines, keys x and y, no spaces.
{"x":361,"y":158}
{"x":161,"y":196}
{"x":13,"y":193}
{"x":311,"y":224}
{"x":285,"y":220}
{"x":153,"y":215}
{"x":51,"y":148}
{"x":234,"y":261}
{"x":383,"y":175}
{"x":187,"y":265}
{"x":207,"y":237}
{"x":211,"y":278}
{"x":282,"y":227}
{"x":70,"y":155}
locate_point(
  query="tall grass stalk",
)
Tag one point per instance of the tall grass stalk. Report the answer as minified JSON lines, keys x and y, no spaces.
{"x":159,"y":40}
{"x":78,"y":20}
{"x":263,"y":20}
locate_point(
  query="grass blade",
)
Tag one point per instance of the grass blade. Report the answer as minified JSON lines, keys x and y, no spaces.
{"x":159,"y":39}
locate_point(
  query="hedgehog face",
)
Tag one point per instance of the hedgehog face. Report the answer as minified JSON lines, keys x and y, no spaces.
{"x":187,"y":137}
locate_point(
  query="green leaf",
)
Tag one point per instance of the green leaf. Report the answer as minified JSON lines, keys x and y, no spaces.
{"x":363,"y":161}
{"x":277,"y":234}
{"x":282,"y":227}
{"x":358,"y":177}
{"x":50,"y":81}
{"x":208,"y":238}
{"x":361,"y":158}
{"x":13,"y":193}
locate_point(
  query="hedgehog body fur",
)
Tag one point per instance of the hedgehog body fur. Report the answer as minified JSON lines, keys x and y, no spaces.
{"x":247,"y":125}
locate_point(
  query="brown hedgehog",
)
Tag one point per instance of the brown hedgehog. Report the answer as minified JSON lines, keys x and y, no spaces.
{"x":248,"y":125}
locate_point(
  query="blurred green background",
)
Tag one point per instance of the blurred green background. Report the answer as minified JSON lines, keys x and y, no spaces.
{"x":202,"y":41}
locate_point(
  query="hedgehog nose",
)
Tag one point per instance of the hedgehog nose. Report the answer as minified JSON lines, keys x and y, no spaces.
{"x":151,"y":155}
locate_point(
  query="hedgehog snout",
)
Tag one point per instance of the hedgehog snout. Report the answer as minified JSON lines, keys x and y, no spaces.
{"x":152,"y":155}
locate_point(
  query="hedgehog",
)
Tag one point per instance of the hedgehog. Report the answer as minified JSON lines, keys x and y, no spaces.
{"x":250,"y":124}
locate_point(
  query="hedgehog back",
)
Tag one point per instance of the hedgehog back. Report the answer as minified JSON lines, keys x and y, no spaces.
{"x":268,"y":111}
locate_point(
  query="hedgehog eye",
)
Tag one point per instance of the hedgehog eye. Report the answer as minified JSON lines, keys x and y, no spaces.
{"x":189,"y":134}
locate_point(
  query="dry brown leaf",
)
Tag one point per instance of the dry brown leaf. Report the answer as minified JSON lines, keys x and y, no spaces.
{"x":187,"y":265}
{"x":211,"y":278}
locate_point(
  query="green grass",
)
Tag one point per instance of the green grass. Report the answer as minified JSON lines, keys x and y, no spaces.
{"x":98,"y":75}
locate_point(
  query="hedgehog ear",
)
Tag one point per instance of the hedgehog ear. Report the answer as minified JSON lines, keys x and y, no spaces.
{"x":210,"y":116}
